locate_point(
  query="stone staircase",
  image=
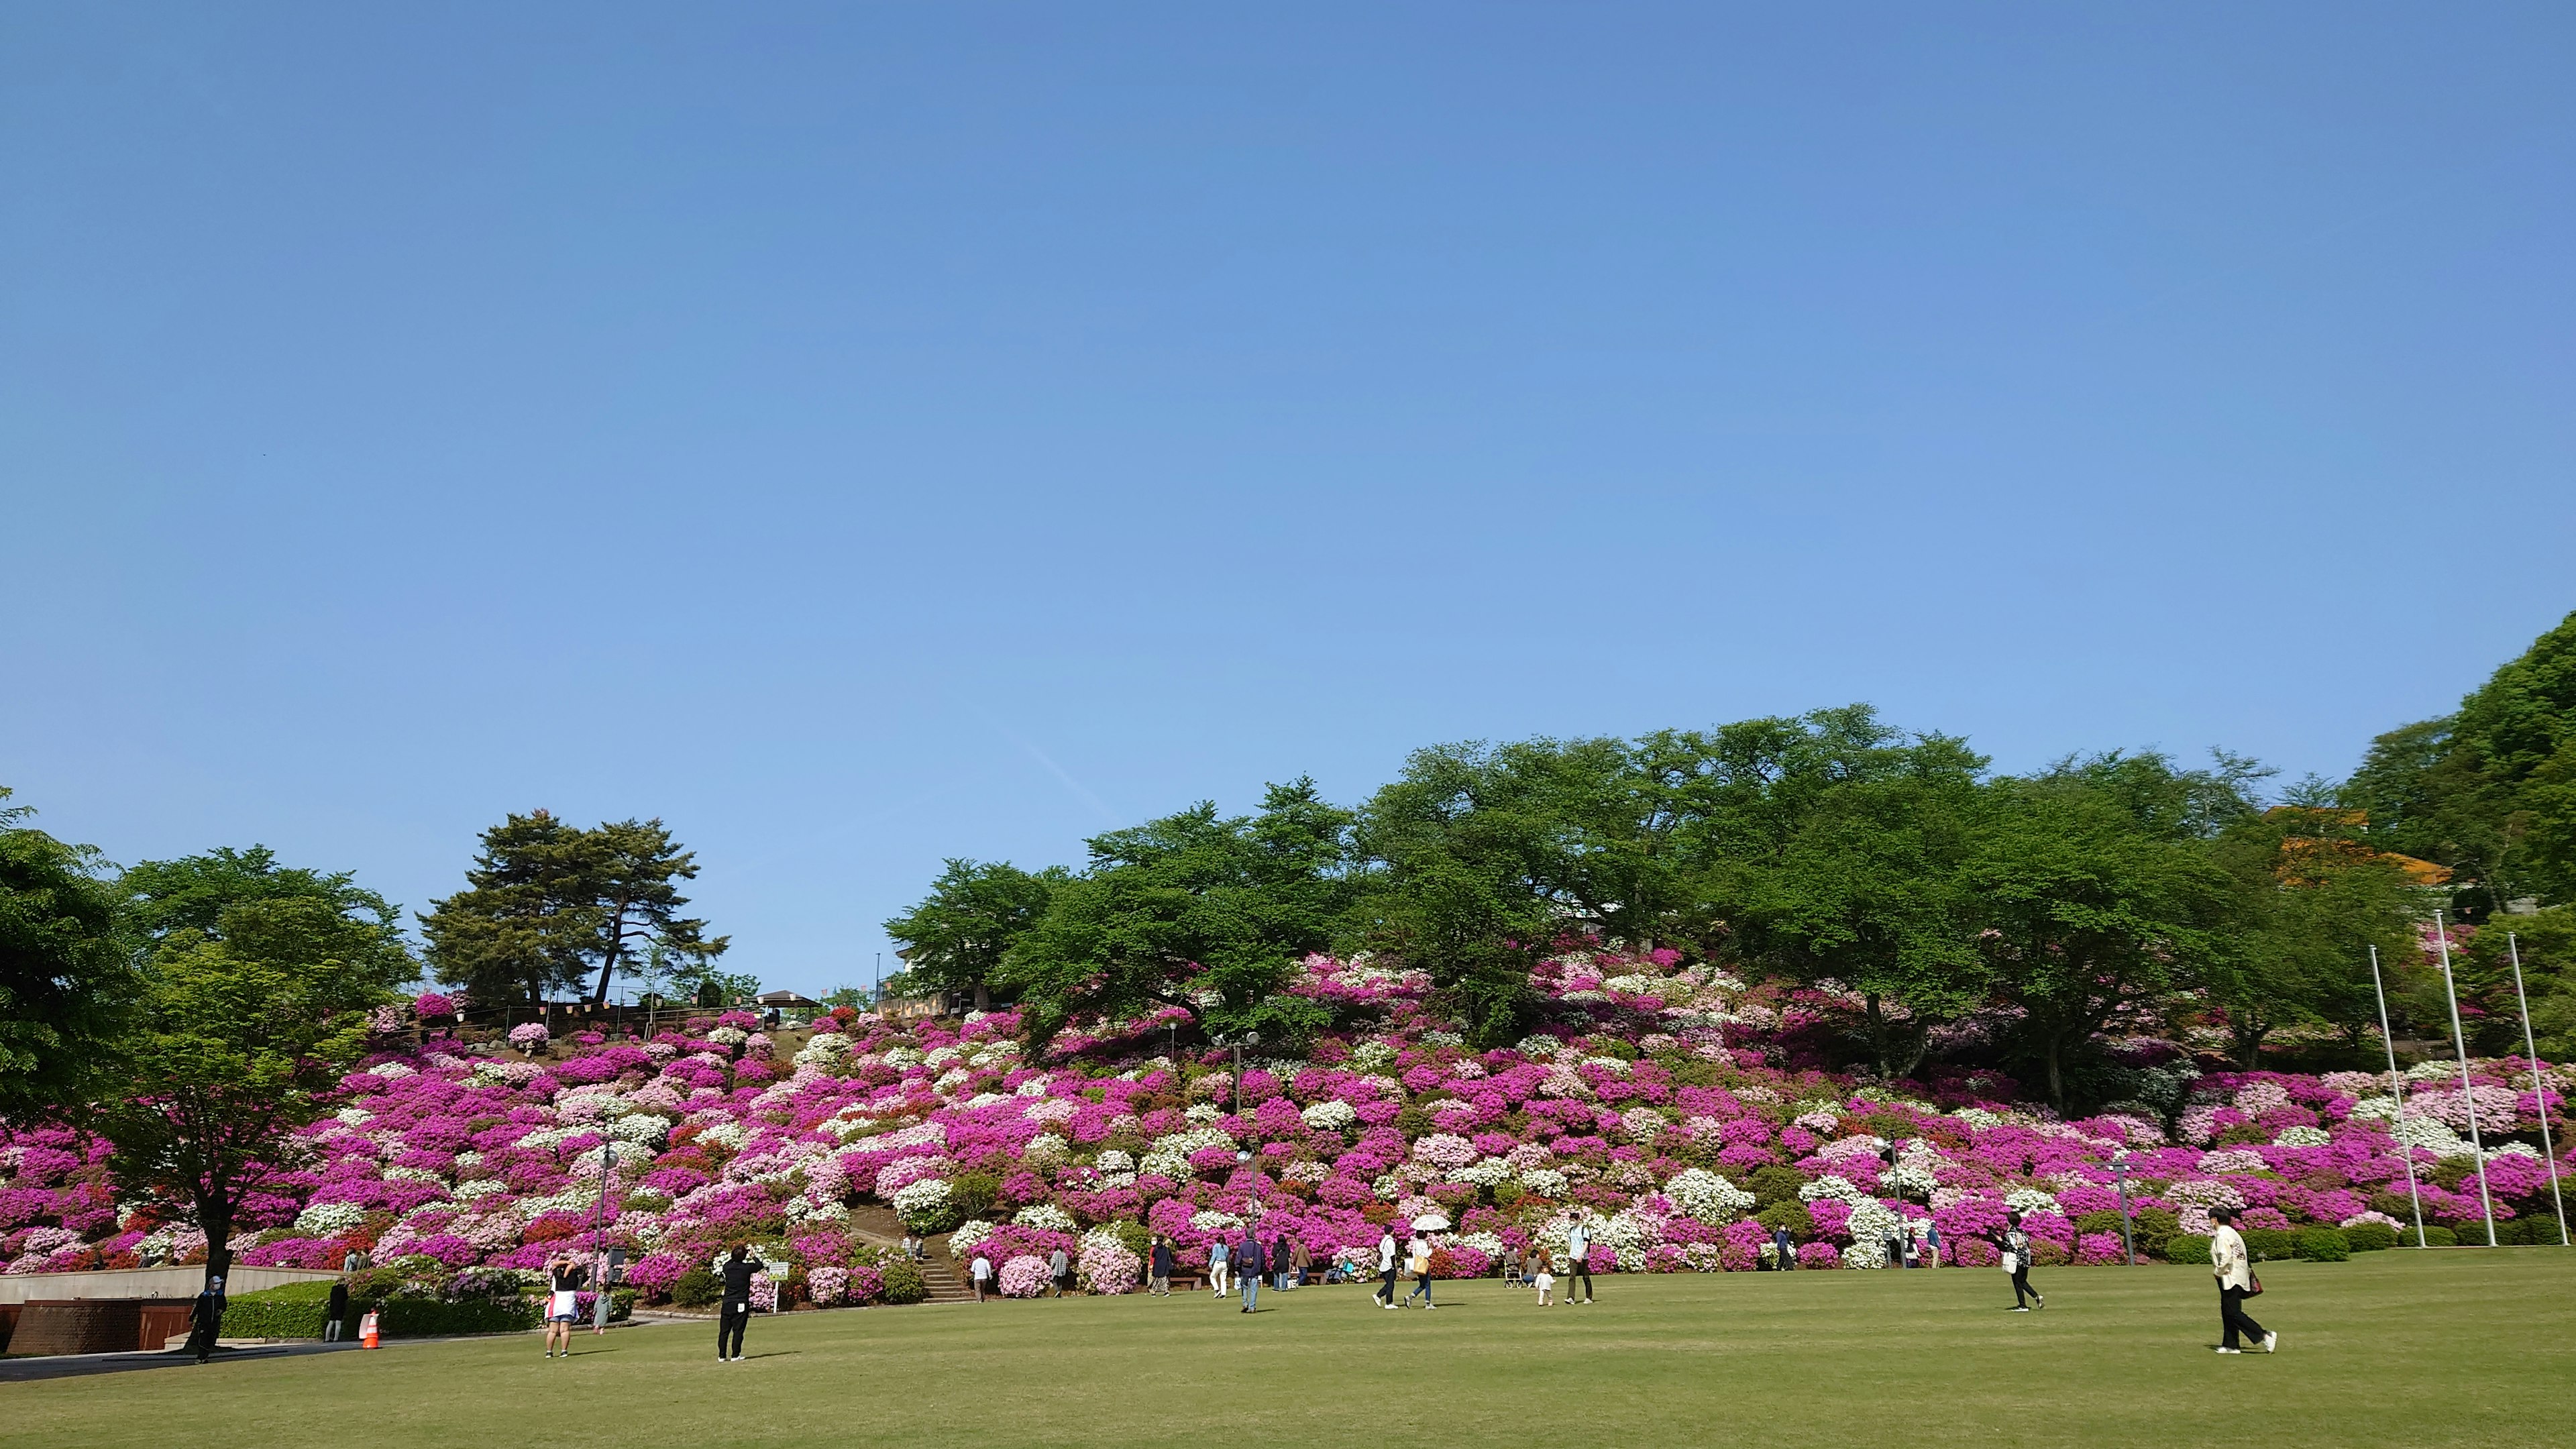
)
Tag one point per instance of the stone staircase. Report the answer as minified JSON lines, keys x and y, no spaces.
{"x":940,"y":1273}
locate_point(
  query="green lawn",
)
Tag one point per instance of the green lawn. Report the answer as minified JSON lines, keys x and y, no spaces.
{"x":2400,"y":1349}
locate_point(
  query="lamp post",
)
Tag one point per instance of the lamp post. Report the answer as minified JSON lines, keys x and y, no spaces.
{"x":2120,"y":1180}
{"x":598,"y":1234}
{"x":2468,"y":1097}
{"x":2539,"y":1087}
{"x":2397,"y":1090}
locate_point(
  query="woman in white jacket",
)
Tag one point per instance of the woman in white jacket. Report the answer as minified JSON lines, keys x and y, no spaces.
{"x":2234,"y":1270}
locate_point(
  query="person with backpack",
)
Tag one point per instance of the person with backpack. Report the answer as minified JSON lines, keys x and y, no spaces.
{"x":733,"y":1313}
{"x":2014,"y":1244}
{"x":2234,"y":1269}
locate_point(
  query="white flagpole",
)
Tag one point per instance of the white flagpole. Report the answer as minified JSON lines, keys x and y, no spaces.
{"x":2539,"y":1086}
{"x":2468,"y":1098}
{"x":2397,"y":1087}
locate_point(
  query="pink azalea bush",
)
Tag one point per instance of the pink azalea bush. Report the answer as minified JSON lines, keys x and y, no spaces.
{"x":1650,"y":1108}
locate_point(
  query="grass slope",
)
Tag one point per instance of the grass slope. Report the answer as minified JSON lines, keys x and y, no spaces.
{"x":2397,"y":1349}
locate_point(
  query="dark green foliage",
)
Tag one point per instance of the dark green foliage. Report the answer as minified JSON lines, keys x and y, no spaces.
{"x":2267,"y":1245}
{"x":973,"y":1194}
{"x":547,"y":903}
{"x":438,"y":1317}
{"x":1413,"y":1122}
{"x":697,"y":1288}
{"x":294,"y":1310}
{"x":956,"y":938}
{"x":1791,"y":1215}
{"x":2105,"y":1221}
{"x":2370,"y":1237}
{"x":2191,"y":1249}
{"x":2490,"y":790}
{"x":903,"y":1281}
{"x":1191,"y":905}
{"x":2437,"y":1236}
{"x":1773,"y":1183}
{"x":66,"y":970}
{"x":2322,"y":1245}
{"x":209,"y":894}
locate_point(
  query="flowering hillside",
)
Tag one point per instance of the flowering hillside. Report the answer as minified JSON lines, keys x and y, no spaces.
{"x":1662,"y":1107}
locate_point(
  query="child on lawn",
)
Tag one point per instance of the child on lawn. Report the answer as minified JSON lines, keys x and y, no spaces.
{"x":1545,"y":1280}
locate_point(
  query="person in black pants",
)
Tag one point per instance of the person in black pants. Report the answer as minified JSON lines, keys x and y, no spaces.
{"x":2016,"y":1243}
{"x":336,"y":1311}
{"x":734,"y":1313}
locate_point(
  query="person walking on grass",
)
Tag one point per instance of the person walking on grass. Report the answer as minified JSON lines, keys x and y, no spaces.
{"x":1578,"y":1263}
{"x":1299,"y":1261}
{"x":1385,"y":1294}
{"x":1218,"y":1265}
{"x":1246,"y":1264}
{"x":733,"y":1311}
{"x":335,"y":1311}
{"x":1161,"y":1260}
{"x":1279,"y":1261}
{"x":982,"y":1272}
{"x":2234,"y":1269}
{"x":1417,"y":1260}
{"x":565,"y":1278}
{"x":2014,"y":1244}
{"x":1059,"y":1271}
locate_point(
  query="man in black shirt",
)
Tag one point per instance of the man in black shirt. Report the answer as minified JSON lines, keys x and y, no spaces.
{"x":734,"y":1313}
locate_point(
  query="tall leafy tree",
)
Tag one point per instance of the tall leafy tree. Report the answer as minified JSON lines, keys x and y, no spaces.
{"x":2546,"y":941}
{"x":235,"y":1041}
{"x":1636,"y":842}
{"x":1197,"y":911}
{"x":196,"y":893}
{"x":955,"y":939}
{"x":1478,"y":940}
{"x":550,"y":906}
{"x":2489,"y":790}
{"x":2313,"y":899}
{"x":66,"y":968}
{"x":1865,"y":893}
{"x":2099,"y":896}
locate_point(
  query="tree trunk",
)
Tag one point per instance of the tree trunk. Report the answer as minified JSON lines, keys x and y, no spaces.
{"x":2056,"y":1077}
{"x":983,"y":997}
{"x":1878,"y":1037}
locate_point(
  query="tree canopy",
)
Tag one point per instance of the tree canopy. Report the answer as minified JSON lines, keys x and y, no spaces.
{"x":66,"y":967}
{"x":956,"y":939}
{"x":549,"y":906}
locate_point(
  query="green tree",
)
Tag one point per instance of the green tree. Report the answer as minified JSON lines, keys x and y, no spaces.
{"x":1478,"y":940}
{"x":2546,"y":941}
{"x":66,"y":968}
{"x":956,"y":938}
{"x":2489,"y":790}
{"x":2099,"y":897}
{"x":548,"y":904}
{"x":1196,"y":911}
{"x":2313,"y":898}
{"x":198,"y":892}
{"x":1634,"y":842}
{"x":1866,"y":894}
{"x":235,"y":1042}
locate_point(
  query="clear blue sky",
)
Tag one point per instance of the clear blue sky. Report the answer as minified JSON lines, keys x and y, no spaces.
{"x":862,"y":438}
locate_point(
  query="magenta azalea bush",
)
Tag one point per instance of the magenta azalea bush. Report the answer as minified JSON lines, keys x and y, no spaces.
{"x":1673,"y":1113}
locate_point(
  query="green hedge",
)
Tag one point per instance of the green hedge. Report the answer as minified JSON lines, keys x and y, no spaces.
{"x":2187,"y":1249}
{"x":697,"y":1288}
{"x":2370,"y":1237}
{"x":2436,"y":1236}
{"x":436,"y":1318}
{"x":903,"y":1282}
{"x":2266,"y":1245}
{"x":296,"y":1310}
{"x":2323,"y":1245}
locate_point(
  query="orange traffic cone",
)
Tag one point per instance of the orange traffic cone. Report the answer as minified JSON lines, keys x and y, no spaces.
{"x":367,"y":1330}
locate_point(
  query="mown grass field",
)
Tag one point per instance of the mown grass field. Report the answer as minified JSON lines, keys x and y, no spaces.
{"x":2398,"y":1349}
